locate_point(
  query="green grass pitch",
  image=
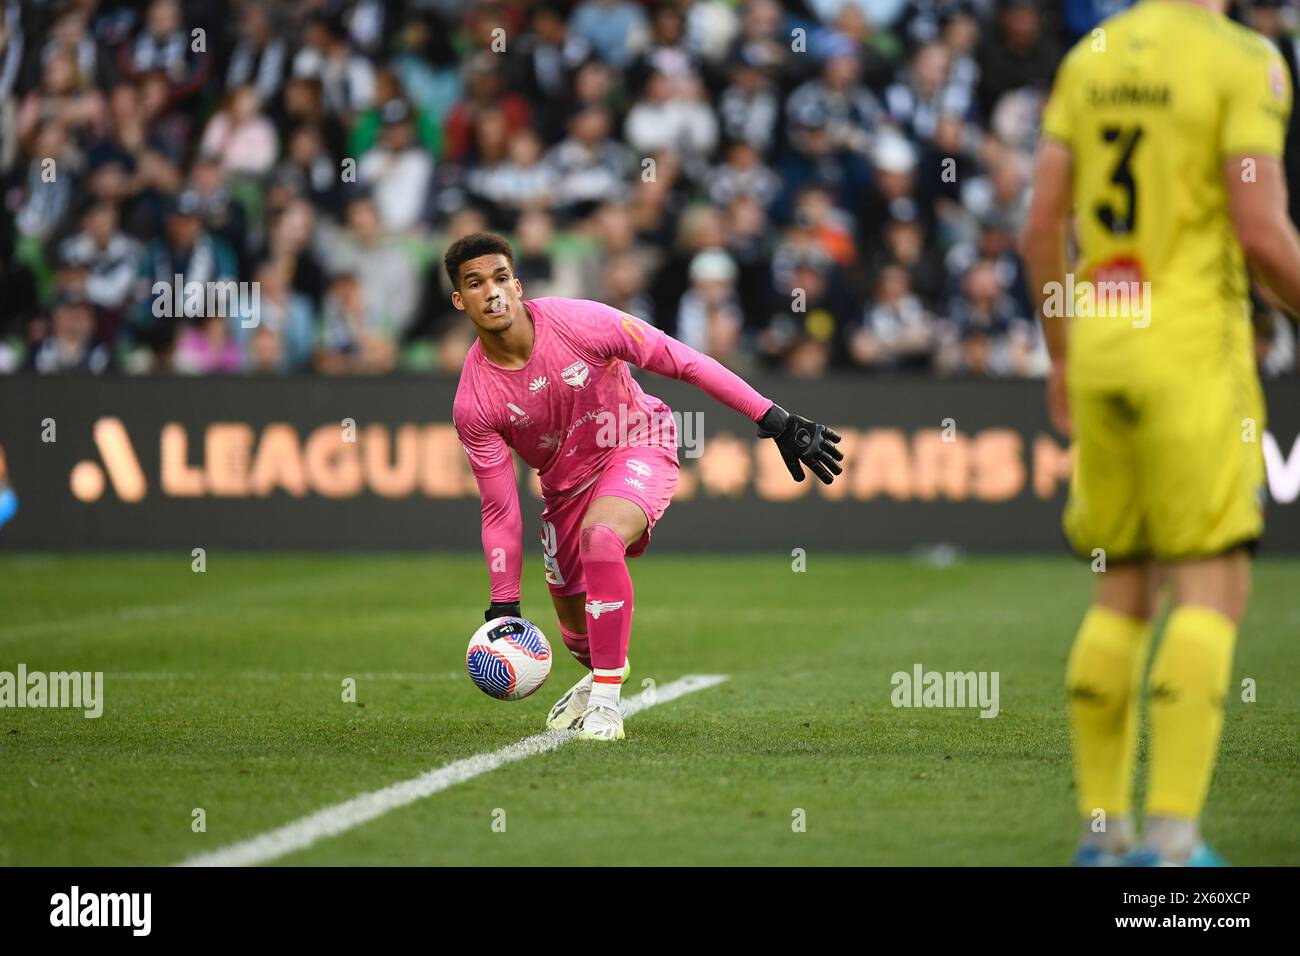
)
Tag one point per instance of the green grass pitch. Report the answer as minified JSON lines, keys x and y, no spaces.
{"x":223,"y":691}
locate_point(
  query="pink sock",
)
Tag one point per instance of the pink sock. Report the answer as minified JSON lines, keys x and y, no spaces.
{"x":609,"y":596}
{"x":578,"y":646}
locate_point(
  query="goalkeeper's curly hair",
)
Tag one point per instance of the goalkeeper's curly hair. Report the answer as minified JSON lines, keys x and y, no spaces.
{"x":471,"y":247}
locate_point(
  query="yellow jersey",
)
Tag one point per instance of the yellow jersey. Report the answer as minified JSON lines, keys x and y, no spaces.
{"x":1152,"y":105}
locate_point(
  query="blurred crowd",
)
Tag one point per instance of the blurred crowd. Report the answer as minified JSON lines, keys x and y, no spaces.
{"x":789,"y":185}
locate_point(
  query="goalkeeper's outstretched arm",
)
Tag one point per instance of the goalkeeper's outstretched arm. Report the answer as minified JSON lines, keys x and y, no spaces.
{"x":801,"y":441}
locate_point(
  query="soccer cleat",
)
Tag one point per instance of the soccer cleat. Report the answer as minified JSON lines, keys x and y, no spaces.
{"x":567,"y":712}
{"x":601,"y":723}
{"x":1094,"y":856}
{"x":1202,"y":855}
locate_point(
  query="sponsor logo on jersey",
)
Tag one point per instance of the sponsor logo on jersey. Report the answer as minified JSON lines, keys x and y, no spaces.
{"x":518,"y":416}
{"x":576,"y":375}
{"x":537,"y":384}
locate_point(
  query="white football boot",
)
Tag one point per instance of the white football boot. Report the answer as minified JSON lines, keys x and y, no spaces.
{"x":568,"y":710}
{"x":601,"y":722}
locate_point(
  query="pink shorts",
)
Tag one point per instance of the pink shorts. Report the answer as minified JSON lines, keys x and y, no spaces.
{"x":646,"y":476}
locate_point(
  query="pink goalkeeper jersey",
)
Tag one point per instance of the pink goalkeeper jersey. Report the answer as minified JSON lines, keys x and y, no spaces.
{"x":568,"y":408}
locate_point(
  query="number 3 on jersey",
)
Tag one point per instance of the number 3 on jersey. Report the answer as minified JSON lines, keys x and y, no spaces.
{"x":1121,"y":222}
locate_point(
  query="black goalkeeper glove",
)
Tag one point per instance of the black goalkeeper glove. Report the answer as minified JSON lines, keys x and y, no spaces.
{"x":501,"y":610}
{"x":801,"y":440}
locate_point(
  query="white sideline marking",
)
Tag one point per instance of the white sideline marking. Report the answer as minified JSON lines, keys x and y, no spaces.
{"x":342,"y":817}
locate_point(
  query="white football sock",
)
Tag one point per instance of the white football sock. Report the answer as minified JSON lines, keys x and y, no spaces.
{"x":605,"y":694}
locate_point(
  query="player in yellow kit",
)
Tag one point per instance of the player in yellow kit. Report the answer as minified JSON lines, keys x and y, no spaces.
{"x":1161,"y":145}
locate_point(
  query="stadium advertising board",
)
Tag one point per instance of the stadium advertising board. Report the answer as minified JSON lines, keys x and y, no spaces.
{"x":376,"y":463}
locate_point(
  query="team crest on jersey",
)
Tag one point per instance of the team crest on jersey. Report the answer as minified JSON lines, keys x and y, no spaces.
{"x":537,"y":384}
{"x":576,"y":375}
{"x":638,"y":467}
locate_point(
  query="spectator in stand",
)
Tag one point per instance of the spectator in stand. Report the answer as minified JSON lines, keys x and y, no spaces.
{"x":290,"y":247}
{"x":993,"y":335}
{"x":709,"y":317}
{"x":742,"y":173}
{"x":614,"y":234}
{"x":221,"y":214}
{"x":747,"y":228}
{"x":701,"y":226}
{"x":537,"y":264}
{"x":673,"y":113}
{"x":346,"y":78}
{"x":837,"y":99}
{"x":518,"y":182}
{"x":616,"y":29}
{"x":308,"y":170}
{"x":896,"y":332}
{"x":803,"y":336}
{"x":208,"y":347}
{"x":398,"y":171}
{"x":765,"y":44}
{"x":48,"y":185}
{"x":65,"y":98}
{"x":378,"y":261}
{"x":277,"y":331}
{"x":356,"y":336}
{"x":70,"y":34}
{"x":304,"y":103}
{"x":926,"y":97}
{"x":545,"y":61}
{"x":484,"y":91}
{"x":240,"y":137}
{"x":750,"y":107}
{"x":186,"y":249}
{"x":590,"y":167}
{"x":907,"y":245}
{"x":667,"y":52}
{"x":1016,"y":53}
{"x":624,"y":287}
{"x":71,"y":344}
{"x":109,"y":260}
{"x":260,"y":56}
{"x":164,"y":47}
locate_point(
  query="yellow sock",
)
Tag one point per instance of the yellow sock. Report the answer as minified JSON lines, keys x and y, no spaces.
{"x":1103,"y":680}
{"x":1188,"y":683}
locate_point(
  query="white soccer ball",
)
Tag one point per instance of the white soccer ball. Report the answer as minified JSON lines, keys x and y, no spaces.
{"x":508,"y":658}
